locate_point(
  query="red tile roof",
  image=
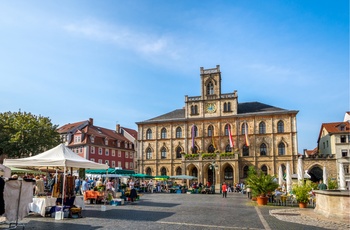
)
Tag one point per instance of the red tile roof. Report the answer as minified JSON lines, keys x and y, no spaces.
{"x":334,"y":128}
{"x":132,"y":132}
{"x":69,"y":126}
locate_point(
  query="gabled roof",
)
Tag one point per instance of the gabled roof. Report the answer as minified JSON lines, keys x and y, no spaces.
{"x":311,"y":152}
{"x":334,"y":128}
{"x":132,"y":132}
{"x":70,"y":126}
{"x":88,"y":129}
{"x":243,"y":108}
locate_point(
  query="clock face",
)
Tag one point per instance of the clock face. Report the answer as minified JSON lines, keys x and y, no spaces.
{"x":211,"y":108}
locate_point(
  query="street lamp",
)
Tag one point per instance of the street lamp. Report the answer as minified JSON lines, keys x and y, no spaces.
{"x":213,"y":167}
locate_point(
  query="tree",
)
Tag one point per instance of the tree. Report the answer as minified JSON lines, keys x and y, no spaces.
{"x":23,"y":134}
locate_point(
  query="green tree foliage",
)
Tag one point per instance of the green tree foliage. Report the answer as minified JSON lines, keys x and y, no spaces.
{"x":23,"y":134}
{"x":260,"y":183}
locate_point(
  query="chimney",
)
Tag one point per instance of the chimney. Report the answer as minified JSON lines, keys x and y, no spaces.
{"x":91,"y":121}
{"x":117,"y":128}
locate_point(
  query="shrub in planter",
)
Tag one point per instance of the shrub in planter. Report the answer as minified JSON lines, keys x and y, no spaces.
{"x":260,"y":183}
{"x":301,"y":192}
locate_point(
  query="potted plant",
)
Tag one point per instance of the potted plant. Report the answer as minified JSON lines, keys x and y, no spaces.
{"x":260,"y":184}
{"x":301,"y":193}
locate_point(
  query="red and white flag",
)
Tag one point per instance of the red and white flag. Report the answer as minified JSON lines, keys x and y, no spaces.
{"x":230,"y":136}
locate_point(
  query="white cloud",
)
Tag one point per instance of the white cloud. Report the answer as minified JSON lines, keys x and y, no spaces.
{"x":123,"y":37}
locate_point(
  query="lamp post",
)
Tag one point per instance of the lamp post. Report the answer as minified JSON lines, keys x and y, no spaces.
{"x":213,"y":167}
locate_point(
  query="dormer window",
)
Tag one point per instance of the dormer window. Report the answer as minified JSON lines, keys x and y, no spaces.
{"x":92,"y":139}
{"x":77,"y":139}
{"x":106,"y":141}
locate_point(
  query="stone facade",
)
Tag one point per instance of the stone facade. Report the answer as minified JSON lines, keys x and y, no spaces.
{"x":195,"y":140}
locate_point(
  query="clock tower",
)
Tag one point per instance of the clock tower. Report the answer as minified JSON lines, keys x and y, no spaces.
{"x":211,"y":103}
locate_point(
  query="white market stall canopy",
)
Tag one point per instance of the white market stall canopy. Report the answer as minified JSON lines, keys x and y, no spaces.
{"x":55,"y":157}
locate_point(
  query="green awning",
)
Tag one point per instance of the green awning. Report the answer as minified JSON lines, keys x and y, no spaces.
{"x":23,"y":171}
{"x":141,"y":175}
{"x":110,"y":171}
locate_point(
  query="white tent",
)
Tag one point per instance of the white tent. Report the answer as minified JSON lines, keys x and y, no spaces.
{"x":59,"y":156}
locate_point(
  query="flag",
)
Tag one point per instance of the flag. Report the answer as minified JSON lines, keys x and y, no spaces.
{"x":212,"y":140}
{"x":192,"y":136}
{"x":246,"y":134}
{"x":230,"y":136}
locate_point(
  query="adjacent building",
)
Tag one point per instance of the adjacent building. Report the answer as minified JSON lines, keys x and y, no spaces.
{"x":334,"y":141}
{"x":216,"y":138}
{"x":113,"y":147}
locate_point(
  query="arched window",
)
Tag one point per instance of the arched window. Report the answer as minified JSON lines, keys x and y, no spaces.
{"x":244,"y":128}
{"x":163,"y":171}
{"x":163,"y":133}
{"x":211,"y":148}
{"x":226,"y":129}
{"x":263,"y":149}
{"x":225,"y":107}
{"x":210,"y":88}
{"x":210,"y":131}
{"x":178,"y":171}
{"x":178,"y":132}
{"x":262,"y":128}
{"x":228,"y":149}
{"x":149,"y":134}
{"x":149,"y":171}
{"x":245,"y":150}
{"x":194,"y":150}
{"x":194,"y":172}
{"x":194,"y":131}
{"x":148,"y":153}
{"x":178,"y":152}
{"x":280,"y":127}
{"x":163,"y":153}
{"x":228,"y":173}
{"x":228,"y":106}
{"x":245,"y":171}
{"x":264,"y":169}
{"x":281,"y":149}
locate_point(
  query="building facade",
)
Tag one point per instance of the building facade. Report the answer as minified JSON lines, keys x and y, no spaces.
{"x":215,"y":138}
{"x":334,"y":142}
{"x":99,"y":144}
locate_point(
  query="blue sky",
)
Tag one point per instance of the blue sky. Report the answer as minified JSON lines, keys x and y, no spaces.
{"x":129,"y":61}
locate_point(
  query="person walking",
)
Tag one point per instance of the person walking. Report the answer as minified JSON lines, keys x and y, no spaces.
{"x":224,"y":190}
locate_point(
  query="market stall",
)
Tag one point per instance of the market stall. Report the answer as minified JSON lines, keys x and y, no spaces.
{"x":59,"y":156}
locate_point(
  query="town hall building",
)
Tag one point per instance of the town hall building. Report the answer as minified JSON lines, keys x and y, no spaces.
{"x":215,"y":138}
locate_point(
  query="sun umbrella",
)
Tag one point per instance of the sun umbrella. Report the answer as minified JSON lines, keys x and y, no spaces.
{"x":280,"y":176}
{"x":289,"y":178}
{"x":300,"y":171}
{"x":141,"y":175}
{"x":325,"y":179}
{"x":162,"y":177}
{"x":183,"y":177}
{"x":341,"y":177}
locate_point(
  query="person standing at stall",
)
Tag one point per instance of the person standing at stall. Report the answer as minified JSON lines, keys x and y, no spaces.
{"x":85,"y":187}
{"x":77,"y":186}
